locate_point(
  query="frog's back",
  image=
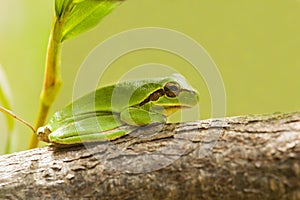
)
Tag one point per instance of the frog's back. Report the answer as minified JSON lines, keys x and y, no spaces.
{"x":108,"y":99}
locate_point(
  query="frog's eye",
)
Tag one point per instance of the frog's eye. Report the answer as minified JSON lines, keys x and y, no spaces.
{"x":172,"y":89}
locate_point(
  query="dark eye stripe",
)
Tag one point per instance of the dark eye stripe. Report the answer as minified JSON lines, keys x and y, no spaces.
{"x":153,"y":97}
{"x":171,"y":89}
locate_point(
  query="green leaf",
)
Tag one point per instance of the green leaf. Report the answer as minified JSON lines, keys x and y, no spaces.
{"x":85,"y":15}
{"x":4,"y":100}
{"x":60,"y":6}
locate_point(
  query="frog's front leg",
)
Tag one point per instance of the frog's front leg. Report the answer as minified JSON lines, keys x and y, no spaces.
{"x":140,"y":117}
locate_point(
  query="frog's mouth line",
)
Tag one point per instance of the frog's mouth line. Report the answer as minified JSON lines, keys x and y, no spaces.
{"x":169,"y":110}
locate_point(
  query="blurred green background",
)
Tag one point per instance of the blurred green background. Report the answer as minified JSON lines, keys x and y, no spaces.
{"x":255,"y":44}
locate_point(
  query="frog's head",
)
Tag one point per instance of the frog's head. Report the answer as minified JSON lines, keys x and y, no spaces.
{"x":174,"y":93}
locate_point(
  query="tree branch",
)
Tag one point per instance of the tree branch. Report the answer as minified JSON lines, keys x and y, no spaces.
{"x":251,"y":157}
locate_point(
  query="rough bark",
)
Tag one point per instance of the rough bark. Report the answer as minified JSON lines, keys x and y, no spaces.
{"x":251,"y":157}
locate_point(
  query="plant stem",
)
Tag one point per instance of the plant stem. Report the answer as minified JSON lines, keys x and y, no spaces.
{"x":10,"y":113}
{"x":52,"y":80}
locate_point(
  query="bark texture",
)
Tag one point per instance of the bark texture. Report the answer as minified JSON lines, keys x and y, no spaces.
{"x":251,"y":157}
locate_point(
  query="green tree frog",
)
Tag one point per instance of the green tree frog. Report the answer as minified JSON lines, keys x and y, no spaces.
{"x":113,"y":111}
